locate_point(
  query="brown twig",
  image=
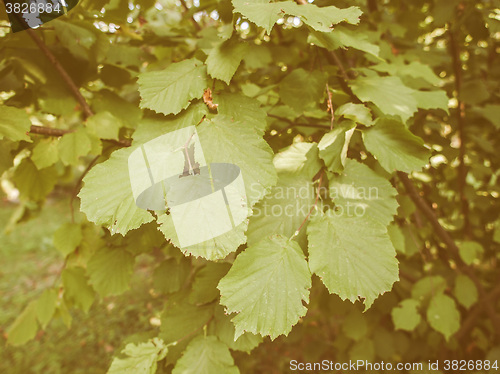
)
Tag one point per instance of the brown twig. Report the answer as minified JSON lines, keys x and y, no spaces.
{"x":460,"y":117}
{"x":78,"y":184}
{"x":450,"y":244}
{"x":318,"y":191}
{"x":62,"y":72}
{"x":330,"y":106}
{"x":186,"y":10}
{"x":49,"y":131}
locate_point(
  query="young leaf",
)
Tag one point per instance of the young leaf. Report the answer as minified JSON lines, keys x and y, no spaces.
{"x":110,"y":271}
{"x":353,"y":256}
{"x":171,"y":90}
{"x":74,"y":145}
{"x":46,"y":307}
{"x":465,"y":291}
{"x":170,"y":275}
{"x":342,"y":38}
{"x":45,"y":153}
{"x":365,"y":192}
{"x":333,"y":146}
{"x":207,"y":355}
{"x":24,"y":327}
{"x":77,"y":289}
{"x":141,"y":358}
{"x":355,"y":112}
{"x":250,"y":288}
{"x":204,"y":288}
{"x":104,"y":125}
{"x":14,"y":123}
{"x":67,"y":238}
{"x":395,"y":147}
{"x":33,"y":183}
{"x":224,"y":59}
{"x":299,"y":159}
{"x":406,"y":316}
{"x":443,"y":316}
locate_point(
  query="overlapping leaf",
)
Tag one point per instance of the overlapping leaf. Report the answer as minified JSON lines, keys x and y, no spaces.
{"x":250,"y":290}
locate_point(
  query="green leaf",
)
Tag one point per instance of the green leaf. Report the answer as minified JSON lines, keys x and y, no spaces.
{"x":14,"y":123}
{"x":389,"y":94}
{"x":302,"y":89}
{"x":395,"y":147}
{"x":171,"y":90}
{"x":353,"y":256}
{"x":104,"y":125}
{"x":465,"y":291}
{"x":110,"y":271}
{"x":342,"y":37}
{"x":33,"y":183}
{"x":224,"y":59}
{"x":78,"y":40}
{"x":355,"y":326}
{"x":106,"y":197}
{"x":206,"y":355}
{"x":45,"y":153}
{"x":234,"y":142}
{"x":46,"y":307}
{"x":443,"y":316}
{"x":24,"y":327}
{"x":181,"y":320}
{"x":427,"y":287}
{"x":299,"y":159}
{"x":204,"y":288}
{"x":414,"y":69}
{"x":282,"y":210}
{"x":74,"y":145}
{"x":470,"y":251}
{"x":170,"y":275}
{"x":432,"y":99}
{"x":265,"y":14}
{"x":491,"y":112}
{"x":67,"y":238}
{"x":77,"y":289}
{"x":363,"y":192}
{"x":250,"y":288}
{"x":406,"y":316}
{"x":243,"y":109}
{"x":355,"y":112}
{"x":333,"y":146}
{"x":214,"y":249}
{"x":224,"y":329}
{"x":141,"y":358}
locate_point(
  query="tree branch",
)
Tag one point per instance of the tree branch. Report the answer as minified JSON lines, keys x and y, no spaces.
{"x":62,"y":72}
{"x":460,"y":117}
{"x":186,"y":10}
{"x":49,"y":131}
{"x":450,"y":244}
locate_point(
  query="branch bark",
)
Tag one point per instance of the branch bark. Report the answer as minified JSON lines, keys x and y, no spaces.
{"x":49,"y":131}
{"x":460,"y":118}
{"x":62,"y":72}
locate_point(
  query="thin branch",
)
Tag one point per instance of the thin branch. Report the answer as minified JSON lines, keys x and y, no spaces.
{"x":78,"y":184}
{"x":294,"y":124}
{"x":460,"y":117}
{"x":186,"y":10}
{"x":330,"y":106}
{"x":339,"y":65}
{"x":49,"y":131}
{"x":318,"y":191}
{"x":450,"y":244}
{"x":62,"y":72}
